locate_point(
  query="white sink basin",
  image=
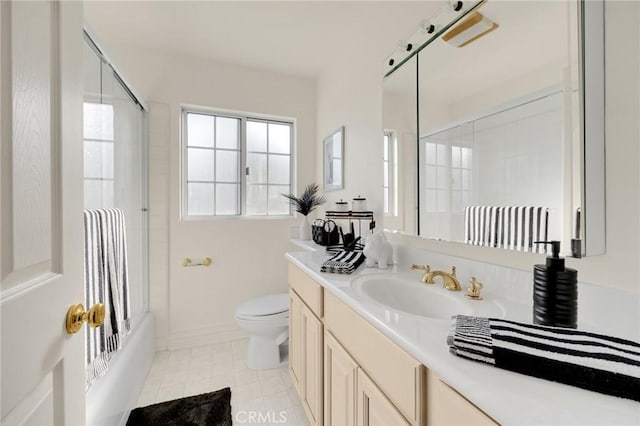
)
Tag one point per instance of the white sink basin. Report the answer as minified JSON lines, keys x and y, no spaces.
{"x":412,"y":297}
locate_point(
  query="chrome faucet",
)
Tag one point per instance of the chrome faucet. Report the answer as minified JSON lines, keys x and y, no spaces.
{"x":451,"y":282}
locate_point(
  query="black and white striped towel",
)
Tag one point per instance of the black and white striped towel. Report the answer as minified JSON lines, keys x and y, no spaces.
{"x":604,"y":364}
{"x":106,"y":281}
{"x":344,"y":262}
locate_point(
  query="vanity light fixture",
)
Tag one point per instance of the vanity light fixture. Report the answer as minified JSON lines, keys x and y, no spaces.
{"x":469,"y":30}
{"x":428,"y":27}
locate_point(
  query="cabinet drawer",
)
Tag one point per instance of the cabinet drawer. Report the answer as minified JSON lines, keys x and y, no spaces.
{"x":448,"y":408}
{"x":401,"y":377}
{"x":309,"y":291}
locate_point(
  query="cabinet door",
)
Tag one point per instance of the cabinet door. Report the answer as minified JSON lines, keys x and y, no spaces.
{"x":312,"y":336}
{"x":340,"y":372}
{"x":448,"y":408}
{"x":374,"y":409}
{"x":295,"y":340}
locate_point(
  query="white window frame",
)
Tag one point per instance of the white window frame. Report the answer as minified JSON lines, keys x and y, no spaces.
{"x":243,"y":117}
{"x":391,"y":209}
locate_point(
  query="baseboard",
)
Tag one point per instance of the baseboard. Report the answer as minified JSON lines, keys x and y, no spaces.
{"x":205,"y":336}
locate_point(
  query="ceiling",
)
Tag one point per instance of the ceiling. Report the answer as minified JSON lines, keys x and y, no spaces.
{"x":305,"y":38}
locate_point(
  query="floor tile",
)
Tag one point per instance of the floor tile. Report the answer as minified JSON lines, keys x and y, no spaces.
{"x":258,"y":397}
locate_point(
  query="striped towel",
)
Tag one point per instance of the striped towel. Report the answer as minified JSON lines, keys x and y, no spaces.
{"x":344,"y":262}
{"x":591,"y":361}
{"x":106,"y":281}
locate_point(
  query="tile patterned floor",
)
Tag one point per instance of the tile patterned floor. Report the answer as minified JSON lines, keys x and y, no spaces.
{"x":265,"y":397}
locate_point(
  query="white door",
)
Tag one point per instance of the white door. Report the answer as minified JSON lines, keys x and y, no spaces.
{"x":41,"y":254}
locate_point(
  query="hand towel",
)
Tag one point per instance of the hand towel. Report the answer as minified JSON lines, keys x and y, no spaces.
{"x":344,"y":262}
{"x":604,"y":364}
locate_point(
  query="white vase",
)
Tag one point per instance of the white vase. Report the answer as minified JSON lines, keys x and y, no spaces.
{"x":305,"y":229}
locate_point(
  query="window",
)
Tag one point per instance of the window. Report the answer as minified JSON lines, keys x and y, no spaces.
{"x":448,"y":179}
{"x":98,"y":150}
{"x":236,"y":165}
{"x":389,"y":179}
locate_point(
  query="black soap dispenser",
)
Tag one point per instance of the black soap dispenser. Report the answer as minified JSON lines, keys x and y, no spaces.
{"x":555,"y":291}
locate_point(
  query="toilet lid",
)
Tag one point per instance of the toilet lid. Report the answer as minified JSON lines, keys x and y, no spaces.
{"x":267,"y":305}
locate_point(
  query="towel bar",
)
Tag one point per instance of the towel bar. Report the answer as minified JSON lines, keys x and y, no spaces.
{"x":205,"y":262}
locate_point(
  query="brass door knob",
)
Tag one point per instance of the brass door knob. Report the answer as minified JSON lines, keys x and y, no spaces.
{"x":76,"y":315}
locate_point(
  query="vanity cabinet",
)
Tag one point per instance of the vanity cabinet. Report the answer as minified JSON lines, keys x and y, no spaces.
{"x":448,"y":408}
{"x":340,"y":374}
{"x":373,"y":408}
{"x":306,"y":342}
{"x":397,"y":377}
{"x":347,"y":372}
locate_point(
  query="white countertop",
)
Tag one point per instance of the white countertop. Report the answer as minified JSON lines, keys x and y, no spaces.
{"x":508,"y":397}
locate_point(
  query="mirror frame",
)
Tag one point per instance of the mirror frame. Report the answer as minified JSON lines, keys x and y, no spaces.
{"x":330,"y":183}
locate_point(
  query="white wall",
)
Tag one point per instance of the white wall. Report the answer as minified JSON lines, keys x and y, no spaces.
{"x":195,"y":305}
{"x":351,"y":96}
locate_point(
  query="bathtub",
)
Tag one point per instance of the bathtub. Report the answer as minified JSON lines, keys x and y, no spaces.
{"x":112,"y":396}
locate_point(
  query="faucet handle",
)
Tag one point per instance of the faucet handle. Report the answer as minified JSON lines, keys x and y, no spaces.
{"x":473,"y":292}
{"x":453,"y":271}
{"x":425,"y":268}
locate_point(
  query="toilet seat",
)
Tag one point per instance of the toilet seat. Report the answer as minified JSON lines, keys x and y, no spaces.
{"x":267,"y":306}
{"x":279,"y":315}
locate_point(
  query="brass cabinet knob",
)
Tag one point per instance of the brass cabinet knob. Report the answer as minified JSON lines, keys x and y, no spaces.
{"x":76,"y":315}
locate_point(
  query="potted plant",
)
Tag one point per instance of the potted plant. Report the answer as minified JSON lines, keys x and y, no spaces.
{"x":304,"y":205}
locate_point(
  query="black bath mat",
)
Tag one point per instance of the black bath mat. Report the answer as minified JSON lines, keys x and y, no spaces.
{"x":212,"y":408}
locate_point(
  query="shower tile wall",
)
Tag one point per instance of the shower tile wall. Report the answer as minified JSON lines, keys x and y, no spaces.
{"x":187,"y":372}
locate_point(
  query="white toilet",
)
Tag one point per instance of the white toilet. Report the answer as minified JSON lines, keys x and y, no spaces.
{"x":266,"y":319}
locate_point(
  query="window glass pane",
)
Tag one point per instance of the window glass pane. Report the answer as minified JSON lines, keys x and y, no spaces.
{"x":430,"y":153}
{"x":456,"y":179}
{"x":200,"y":198}
{"x":441,"y":154}
{"x":386,"y":200}
{"x":466,"y":180}
{"x":442,"y":201}
{"x":279,"y":169}
{"x":256,"y":136}
{"x":336,"y":146}
{"x":336,"y":170}
{"x":386,"y":147}
{"x":257,"y":164}
{"x":256,"y":199}
{"x":98,"y":194}
{"x":279,"y":138}
{"x":430,"y":180}
{"x":455,"y":157}
{"x":199,"y":130}
{"x":227,"y":166}
{"x":386,"y":174}
{"x":98,"y":121}
{"x":227,"y":199}
{"x":227,"y":132}
{"x":456,"y":201}
{"x":98,"y":159}
{"x":200,"y":164}
{"x":430,"y":201}
{"x":466,"y":158}
{"x":442,"y":177}
{"x":277,"y":203}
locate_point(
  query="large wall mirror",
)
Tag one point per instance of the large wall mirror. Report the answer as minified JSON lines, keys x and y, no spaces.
{"x":494,"y":144}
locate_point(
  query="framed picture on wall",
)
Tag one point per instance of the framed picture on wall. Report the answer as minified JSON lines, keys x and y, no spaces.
{"x":334,"y":160}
